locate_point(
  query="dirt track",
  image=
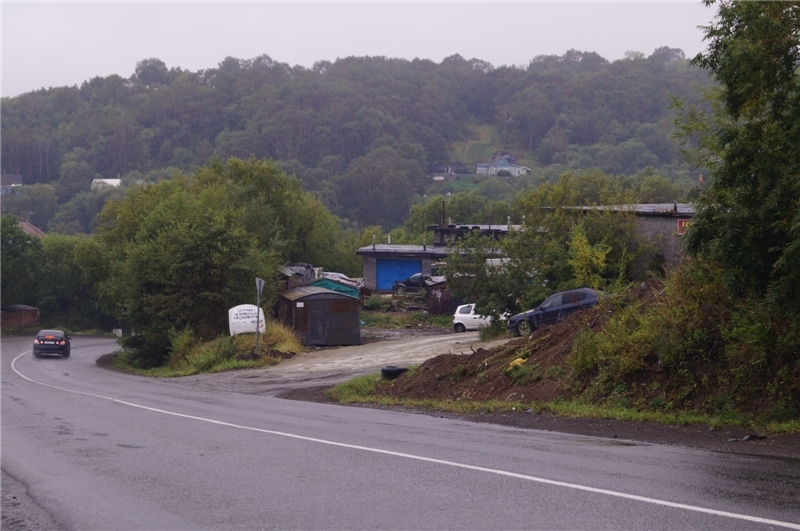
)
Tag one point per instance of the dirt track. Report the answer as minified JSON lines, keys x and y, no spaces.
{"x":328,"y":366}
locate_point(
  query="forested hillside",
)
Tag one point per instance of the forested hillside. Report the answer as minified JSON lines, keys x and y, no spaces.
{"x":360,"y":132}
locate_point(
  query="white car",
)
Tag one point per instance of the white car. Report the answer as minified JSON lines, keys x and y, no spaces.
{"x":465,"y":319}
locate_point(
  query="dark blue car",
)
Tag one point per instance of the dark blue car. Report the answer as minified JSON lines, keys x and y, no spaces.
{"x":51,"y":343}
{"x":554,"y":309}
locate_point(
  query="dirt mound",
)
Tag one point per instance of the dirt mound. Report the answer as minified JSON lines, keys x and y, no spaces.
{"x":522,"y":370}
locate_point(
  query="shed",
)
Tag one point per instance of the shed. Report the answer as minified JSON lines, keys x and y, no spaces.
{"x":19,"y":316}
{"x":440,"y":299}
{"x":320,"y":316}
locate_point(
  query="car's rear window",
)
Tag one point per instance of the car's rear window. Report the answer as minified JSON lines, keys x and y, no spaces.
{"x":53,"y":333}
{"x":579,"y":296}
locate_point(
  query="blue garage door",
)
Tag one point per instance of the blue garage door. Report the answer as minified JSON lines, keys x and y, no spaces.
{"x":391,"y":270}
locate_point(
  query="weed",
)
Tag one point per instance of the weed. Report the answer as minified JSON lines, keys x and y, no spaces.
{"x":555,"y":373}
{"x":358,"y":389}
{"x":526,"y":373}
{"x":458,"y":373}
{"x":190,"y":356}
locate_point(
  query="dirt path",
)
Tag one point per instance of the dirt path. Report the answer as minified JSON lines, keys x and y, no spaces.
{"x":329,"y":366}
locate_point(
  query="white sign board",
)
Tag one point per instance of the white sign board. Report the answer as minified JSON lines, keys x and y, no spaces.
{"x":242,"y":319}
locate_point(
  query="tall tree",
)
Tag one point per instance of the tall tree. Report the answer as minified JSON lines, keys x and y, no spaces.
{"x":20,"y":263}
{"x":748,"y":220}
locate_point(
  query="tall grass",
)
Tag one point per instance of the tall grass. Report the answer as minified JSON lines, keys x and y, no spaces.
{"x":190,"y":356}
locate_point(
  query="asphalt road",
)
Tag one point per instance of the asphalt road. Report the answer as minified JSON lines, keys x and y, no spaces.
{"x":88,"y":448}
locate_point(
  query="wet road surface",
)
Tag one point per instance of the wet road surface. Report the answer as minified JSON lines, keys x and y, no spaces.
{"x":98,"y":449}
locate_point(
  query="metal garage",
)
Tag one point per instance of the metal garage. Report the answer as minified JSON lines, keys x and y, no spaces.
{"x":320,"y":316}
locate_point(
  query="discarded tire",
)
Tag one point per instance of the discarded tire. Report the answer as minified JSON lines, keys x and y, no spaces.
{"x":390,"y":372}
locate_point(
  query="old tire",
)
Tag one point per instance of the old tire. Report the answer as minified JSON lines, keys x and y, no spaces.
{"x":524,"y":328}
{"x":401,"y":289}
{"x":459,"y":328}
{"x":390,"y":372}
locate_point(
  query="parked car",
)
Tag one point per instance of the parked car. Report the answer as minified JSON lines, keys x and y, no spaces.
{"x":554,"y":309}
{"x":415,"y":282}
{"x":465,"y":319}
{"x":51,"y":343}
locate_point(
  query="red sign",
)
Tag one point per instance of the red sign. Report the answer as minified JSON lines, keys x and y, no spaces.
{"x":683,"y":226}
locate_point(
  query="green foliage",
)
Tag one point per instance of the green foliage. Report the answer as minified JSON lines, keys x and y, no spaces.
{"x":36,"y":203}
{"x":524,"y":373}
{"x":333,"y":125}
{"x":747,"y":218}
{"x":355,"y":390}
{"x":693,"y":348}
{"x":587,"y":261}
{"x":179,"y":253}
{"x":66,"y":296}
{"x":20,"y":263}
{"x":559,"y":246}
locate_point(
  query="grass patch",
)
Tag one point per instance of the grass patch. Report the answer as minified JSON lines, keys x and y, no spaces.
{"x":381,"y":319}
{"x":190,"y":356}
{"x":363,"y":390}
{"x":358,"y":389}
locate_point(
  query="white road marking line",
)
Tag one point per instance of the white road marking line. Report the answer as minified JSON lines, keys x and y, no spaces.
{"x":574,"y":486}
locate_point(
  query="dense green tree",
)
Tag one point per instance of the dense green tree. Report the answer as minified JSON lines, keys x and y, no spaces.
{"x":574,"y":111}
{"x":152,"y":71}
{"x":377,"y":187}
{"x":75,"y":175}
{"x":36,"y":203}
{"x":748,"y":219}
{"x":178,"y":253}
{"x":558,"y":246}
{"x":20,"y":264}
{"x":66,"y":296}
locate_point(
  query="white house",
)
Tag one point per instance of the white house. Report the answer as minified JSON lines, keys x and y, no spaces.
{"x":100,"y":183}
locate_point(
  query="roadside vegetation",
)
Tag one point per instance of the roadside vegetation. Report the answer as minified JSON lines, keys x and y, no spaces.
{"x":677,"y":351}
{"x":189,"y":355}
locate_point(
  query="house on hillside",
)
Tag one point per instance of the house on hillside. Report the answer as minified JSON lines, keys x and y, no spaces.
{"x":8,"y":181}
{"x":103,"y":183}
{"x":503,"y":161}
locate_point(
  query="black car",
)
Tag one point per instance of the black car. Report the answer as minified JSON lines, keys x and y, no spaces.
{"x":51,"y":343}
{"x":415,"y":282}
{"x":554,"y":309}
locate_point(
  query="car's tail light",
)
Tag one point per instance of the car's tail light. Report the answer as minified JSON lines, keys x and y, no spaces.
{"x":36,"y":341}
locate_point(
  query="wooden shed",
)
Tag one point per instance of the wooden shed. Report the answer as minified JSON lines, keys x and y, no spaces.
{"x":19,"y":316}
{"x":441,"y":300}
{"x":320,"y":316}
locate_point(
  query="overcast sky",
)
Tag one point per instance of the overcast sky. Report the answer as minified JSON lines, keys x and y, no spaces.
{"x":66,"y":43}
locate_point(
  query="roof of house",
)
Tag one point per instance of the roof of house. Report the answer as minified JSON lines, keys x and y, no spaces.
{"x":11,"y":179}
{"x":31,"y":229}
{"x":96,"y":183}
